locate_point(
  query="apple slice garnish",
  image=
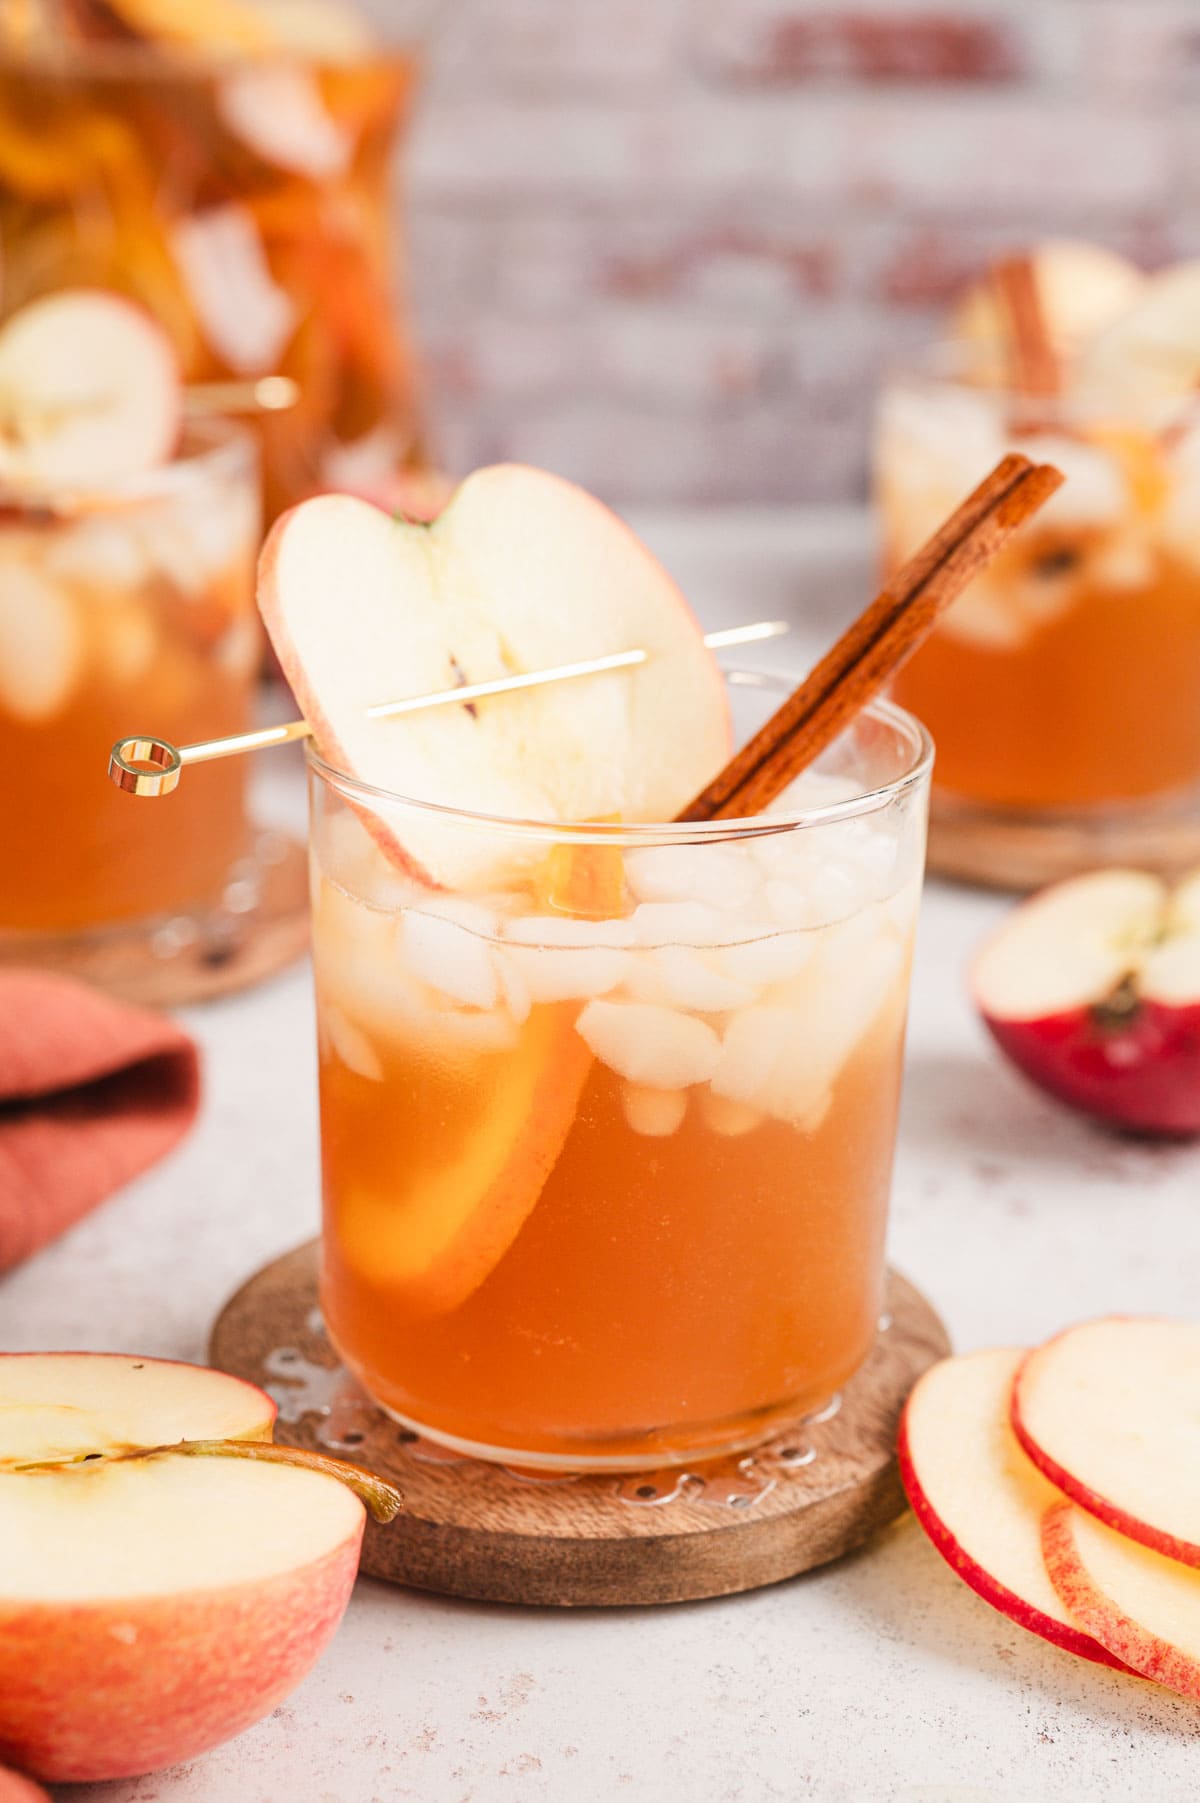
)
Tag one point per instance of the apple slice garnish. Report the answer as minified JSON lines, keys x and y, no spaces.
{"x":1144,"y":1608}
{"x":90,"y":393}
{"x":164,"y":1581}
{"x":1107,"y":1411}
{"x":521,"y":570}
{"x":978,"y":1497}
{"x":1092,"y":988}
{"x":1148,"y":360}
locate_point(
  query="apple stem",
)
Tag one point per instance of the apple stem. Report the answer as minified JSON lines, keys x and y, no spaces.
{"x":383,"y":1500}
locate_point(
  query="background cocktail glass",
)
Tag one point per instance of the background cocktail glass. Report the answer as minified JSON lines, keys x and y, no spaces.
{"x":244,"y":200}
{"x":607,"y":1130}
{"x":131,"y":604}
{"x":1062,"y":686}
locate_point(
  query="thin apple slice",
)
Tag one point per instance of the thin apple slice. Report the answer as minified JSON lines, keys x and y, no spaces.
{"x":56,"y":1405}
{"x":522,"y":570}
{"x":1107,"y":1410}
{"x":89,"y":393}
{"x":1143,"y":1607}
{"x":978,"y":1497}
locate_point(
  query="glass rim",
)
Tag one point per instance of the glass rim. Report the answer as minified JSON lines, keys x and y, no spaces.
{"x":671,"y":832}
{"x":206,"y":447}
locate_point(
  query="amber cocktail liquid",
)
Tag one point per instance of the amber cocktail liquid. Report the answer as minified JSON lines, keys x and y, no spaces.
{"x":243,"y":199}
{"x":135,"y":605}
{"x":1063,"y":688}
{"x":607,"y":1144}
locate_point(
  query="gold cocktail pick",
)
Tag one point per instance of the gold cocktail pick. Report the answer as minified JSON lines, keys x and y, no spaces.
{"x":149,"y":766}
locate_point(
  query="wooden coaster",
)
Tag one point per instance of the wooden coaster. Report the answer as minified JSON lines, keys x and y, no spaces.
{"x":1016,"y":850}
{"x":479,"y":1530}
{"x":260,"y":927}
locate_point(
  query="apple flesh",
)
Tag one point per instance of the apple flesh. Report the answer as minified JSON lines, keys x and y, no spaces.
{"x":60,"y":1405}
{"x":1147,"y":361}
{"x":520,"y":571}
{"x":979,"y":1498}
{"x":1092,"y":989}
{"x":153,"y":1603}
{"x":1144,"y":1608}
{"x":1107,"y":1411}
{"x":90,"y":394}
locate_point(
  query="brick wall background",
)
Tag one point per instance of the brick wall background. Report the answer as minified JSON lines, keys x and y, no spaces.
{"x":666,"y":246}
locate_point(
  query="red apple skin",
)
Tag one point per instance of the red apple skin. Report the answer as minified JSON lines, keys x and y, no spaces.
{"x":1070,"y":1640}
{"x":112,"y":1690}
{"x":16,"y":1789}
{"x":1142,"y":1075}
{"x":1141,"y":1652}
{"x":1157,"y":1539}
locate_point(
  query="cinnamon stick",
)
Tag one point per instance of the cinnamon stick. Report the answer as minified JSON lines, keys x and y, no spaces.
{"x":1034,"y":364}
{"x":878,"y":642}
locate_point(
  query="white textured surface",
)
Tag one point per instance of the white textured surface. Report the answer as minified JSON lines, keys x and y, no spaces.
{"x":880,"y":1679}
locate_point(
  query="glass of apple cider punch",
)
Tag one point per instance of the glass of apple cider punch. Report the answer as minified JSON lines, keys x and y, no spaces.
{"x":608,"y":1116}
{"x":128,"y":539}
{"x":225,"y":164}
{"x":1062,"y":687}
{"x":610,"y":1016}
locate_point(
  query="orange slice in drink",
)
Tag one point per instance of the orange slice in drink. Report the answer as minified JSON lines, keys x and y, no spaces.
{"x":434,"y":1228}
{"x":586,"y":881}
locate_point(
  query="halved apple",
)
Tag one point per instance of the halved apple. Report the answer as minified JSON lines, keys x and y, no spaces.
{"x":1142,"y":1607}
{"x":89,"y":393}
{"x":1092,"y":988}
{"x":1082,"y":288}
{"x":978,"y":1497}
{"x":1108,"y":1412}
{"x":520,"y":571}
{"x":164,"y":1582}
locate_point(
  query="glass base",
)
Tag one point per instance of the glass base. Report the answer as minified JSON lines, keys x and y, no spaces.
{"x":1012,"y":848}
{"x":700,"y":1451}
{"x":259,"y":925}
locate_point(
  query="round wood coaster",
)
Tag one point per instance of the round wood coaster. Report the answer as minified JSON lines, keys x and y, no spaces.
{"x":260,"y":927}
{"x":478,"y":1530}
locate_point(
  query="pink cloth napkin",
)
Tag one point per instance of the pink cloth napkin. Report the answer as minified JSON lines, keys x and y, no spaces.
{"x":92,"y":1092}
